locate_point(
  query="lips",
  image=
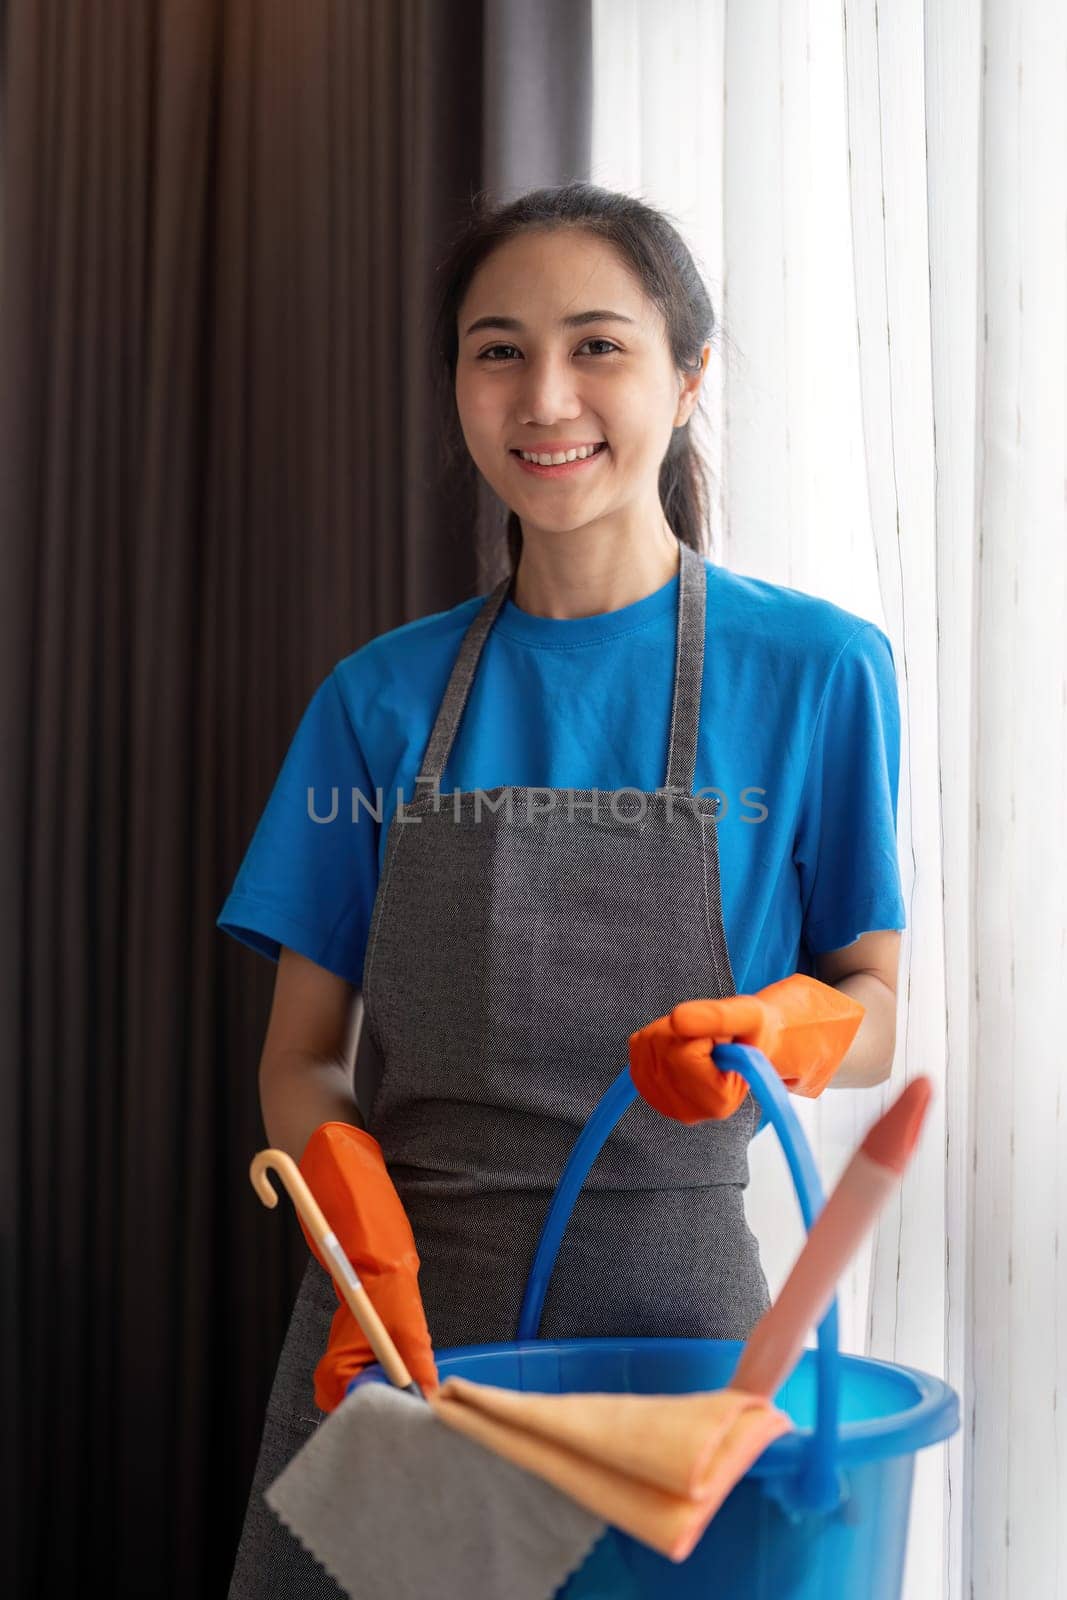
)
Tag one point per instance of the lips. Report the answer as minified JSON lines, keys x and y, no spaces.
{"x":563,"y":469}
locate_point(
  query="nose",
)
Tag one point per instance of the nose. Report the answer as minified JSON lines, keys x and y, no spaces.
{"x":548,"y":392}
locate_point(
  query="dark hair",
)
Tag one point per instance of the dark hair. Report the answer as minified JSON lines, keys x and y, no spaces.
{"x":660,"y":260}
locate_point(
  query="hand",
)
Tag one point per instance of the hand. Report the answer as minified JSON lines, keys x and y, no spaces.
{"x":348,"y":1352}
{"x":345,"y":1170}
{"x":802,"y":1026}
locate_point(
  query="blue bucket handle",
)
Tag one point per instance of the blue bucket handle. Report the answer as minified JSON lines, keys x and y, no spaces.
{"x":816,"y":1486}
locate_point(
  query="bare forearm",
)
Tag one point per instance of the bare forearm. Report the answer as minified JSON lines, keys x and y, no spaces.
{"x":869,"y":1060}
{"x":297,"y":1093}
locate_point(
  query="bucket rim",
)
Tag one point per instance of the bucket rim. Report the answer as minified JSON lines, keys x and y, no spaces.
{"x":932,"y":1418}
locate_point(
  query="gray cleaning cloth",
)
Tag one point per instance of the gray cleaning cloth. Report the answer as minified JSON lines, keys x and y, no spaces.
{"x":398,"y":1506}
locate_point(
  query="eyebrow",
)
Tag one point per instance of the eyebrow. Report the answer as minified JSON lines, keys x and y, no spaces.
{"x":578,"y":320}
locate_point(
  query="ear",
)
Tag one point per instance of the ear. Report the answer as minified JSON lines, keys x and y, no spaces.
{"x":689,"y":389}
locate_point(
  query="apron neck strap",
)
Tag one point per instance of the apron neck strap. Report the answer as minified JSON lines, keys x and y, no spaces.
{"x":688,"y":678}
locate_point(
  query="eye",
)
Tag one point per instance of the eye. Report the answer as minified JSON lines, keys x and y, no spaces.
{"x":486,"y":353}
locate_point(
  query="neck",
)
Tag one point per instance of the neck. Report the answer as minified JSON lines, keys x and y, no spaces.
{"x":585,"y":579}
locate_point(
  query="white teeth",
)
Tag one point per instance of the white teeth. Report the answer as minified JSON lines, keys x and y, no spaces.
{"x":560,"y":456}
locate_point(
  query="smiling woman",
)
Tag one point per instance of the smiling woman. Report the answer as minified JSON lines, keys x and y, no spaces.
{"x":607,"y":342}
{"x":512,"y":956}
{"x":598,"y":524}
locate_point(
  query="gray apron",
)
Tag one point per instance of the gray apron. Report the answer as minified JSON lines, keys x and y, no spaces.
{"x":518,"y":937}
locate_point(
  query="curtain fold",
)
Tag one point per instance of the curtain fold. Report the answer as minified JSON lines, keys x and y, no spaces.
{"x":1015,"y":1319}
{"x":919,"y":459}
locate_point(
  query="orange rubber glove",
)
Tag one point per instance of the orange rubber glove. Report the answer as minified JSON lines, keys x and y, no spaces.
{"x":803,"y":1027}
{"x":345,"y":1170}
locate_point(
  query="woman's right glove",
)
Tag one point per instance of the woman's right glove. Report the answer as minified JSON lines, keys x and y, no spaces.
{"x":345,"y":1170}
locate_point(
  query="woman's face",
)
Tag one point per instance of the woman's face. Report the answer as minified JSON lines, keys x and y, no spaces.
{"x":526,"y":380}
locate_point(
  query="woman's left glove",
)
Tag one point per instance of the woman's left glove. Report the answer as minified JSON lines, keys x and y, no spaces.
{"x":803,"y":1027}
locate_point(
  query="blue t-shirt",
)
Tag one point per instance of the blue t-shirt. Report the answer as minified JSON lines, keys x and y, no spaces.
{"x":799,"y":734}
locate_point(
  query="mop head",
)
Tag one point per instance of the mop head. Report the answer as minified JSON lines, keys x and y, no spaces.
{"x":392,"y":1501}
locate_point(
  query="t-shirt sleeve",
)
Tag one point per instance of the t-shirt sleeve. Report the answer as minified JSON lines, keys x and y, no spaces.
{"x":846,"y":842}
{"x":309,"y":876}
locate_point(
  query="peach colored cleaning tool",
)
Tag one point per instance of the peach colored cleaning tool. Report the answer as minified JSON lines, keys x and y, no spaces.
{"x":342,"y":1270}
{"x":774,"y":1345}
{"x":660,"y":1466}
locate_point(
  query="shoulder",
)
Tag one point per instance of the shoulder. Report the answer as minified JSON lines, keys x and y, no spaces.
{"x":404,"y":665}
{"x":791,"y":630}
{"x":424,"y":636}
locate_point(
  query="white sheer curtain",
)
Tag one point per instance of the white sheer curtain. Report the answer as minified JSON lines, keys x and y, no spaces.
{"x":878,"y":203}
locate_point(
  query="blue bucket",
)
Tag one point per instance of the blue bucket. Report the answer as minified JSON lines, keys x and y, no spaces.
{"x":823,"y":1513}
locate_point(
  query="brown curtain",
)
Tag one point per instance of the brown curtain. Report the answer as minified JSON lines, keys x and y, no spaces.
{"x":217,"y":220}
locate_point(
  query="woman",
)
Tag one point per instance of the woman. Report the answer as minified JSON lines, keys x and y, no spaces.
{"x":619,"y":754}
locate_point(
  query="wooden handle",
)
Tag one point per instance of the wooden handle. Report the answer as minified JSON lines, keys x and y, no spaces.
{"x":342,"y":1270}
